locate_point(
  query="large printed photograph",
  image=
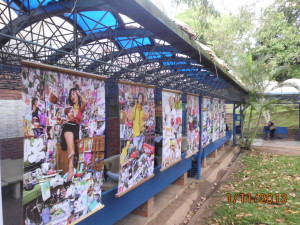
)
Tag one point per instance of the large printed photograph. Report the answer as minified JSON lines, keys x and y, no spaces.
{"x":216,"y":119}
{"x":223,"y":119}
{"x":206,"y":137}
{"x":137,"y":132}
{"x":193,"y":122}
{"x":172,"y":128}
{"x":64,"y":146}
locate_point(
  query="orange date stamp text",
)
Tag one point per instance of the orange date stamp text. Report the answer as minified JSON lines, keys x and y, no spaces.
{"x":257,"y":198}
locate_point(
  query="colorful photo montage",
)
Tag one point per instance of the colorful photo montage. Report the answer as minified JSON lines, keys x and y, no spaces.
{"x":206,"y":136}
{"x":223,"y":119}
{"x":137,"y":132}
{"x":193,"y":123}
{"x":64,"y":145}
{"x":172,"y":128}
{"x":216,"y":119}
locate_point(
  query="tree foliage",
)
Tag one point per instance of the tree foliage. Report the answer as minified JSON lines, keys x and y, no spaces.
{"x":274,"y":33}
{"x":199,"y":16}
{"x":281,"y":39}
{"x":260,"y":47}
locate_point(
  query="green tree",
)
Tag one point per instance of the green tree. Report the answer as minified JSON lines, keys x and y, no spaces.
{"x":290,"y":9}
{"x":256,"y":75}
{"x":198,"y":16}
{"x":281,"y":40}
{"x":228,"y":35}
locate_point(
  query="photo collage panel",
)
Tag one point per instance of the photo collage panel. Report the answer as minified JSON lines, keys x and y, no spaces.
{"x":193,"y":123}
{"x":207,"y":122}
{"x":137,"y":132}
{"x":63,"y":115}
{"x":216,"y":119}
{"x":172,"y":128}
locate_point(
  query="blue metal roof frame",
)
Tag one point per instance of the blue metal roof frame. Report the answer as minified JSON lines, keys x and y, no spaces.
{"x":105,"y":43}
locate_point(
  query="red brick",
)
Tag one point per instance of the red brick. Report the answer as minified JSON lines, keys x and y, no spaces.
{"x":147,"y":209}
{"x":182,"y":180}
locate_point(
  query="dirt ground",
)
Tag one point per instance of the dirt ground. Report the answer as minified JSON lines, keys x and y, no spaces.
{"x":205,"y":213}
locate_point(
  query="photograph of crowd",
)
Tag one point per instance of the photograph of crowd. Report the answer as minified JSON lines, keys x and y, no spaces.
{"x":172,"y":128}
{"x":207,"y":122}
{"x":193,"y":123}
{"x":63,"y":115}
{"x":137,"y":130}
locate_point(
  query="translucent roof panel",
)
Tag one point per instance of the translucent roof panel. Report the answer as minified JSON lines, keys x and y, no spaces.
{"x":173,"y":63}
{"x":184,"y":70}
{"x":94,"y":21}
{"x":11,"y":4}
{"x":193,"y":74}
{"x":131,"y":42}
{"x":33,"y":4}
{"x":157,"y":55}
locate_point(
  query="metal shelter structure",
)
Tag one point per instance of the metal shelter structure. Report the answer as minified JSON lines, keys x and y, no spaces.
{"x":131,"y":40}
{"x":121,"y":40}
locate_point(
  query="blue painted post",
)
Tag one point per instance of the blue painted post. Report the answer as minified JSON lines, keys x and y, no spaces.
{"x":299,"y":125}
{"x":199,"y":158}
{"x":234,"y":127}
{"x":242,"y":121}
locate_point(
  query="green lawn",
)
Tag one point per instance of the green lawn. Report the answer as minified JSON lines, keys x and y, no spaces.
{"x":282,"y":116}
{"x":262,"y":173}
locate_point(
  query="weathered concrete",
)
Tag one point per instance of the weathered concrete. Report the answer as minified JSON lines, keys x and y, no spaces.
{"x":280,"y":146}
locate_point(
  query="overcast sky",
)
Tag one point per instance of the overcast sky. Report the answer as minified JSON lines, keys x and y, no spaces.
{"x":223,"y":6}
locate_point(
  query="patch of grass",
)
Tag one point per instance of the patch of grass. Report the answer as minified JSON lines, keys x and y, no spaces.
{"x":281,"y":118}
{"x":263,"y":173}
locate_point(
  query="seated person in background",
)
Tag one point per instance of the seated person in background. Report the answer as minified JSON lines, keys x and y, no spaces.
{"x":272,"y":129}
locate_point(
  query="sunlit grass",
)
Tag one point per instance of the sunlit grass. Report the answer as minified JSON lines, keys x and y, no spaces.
{"x":262,"y":173}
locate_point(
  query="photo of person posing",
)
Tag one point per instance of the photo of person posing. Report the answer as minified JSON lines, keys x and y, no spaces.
{"x":65,"y":112}
{"x":138,"y":117}
{"x":70,"y":129}
{"x":172,"y":128}
{"x":137,"y":126}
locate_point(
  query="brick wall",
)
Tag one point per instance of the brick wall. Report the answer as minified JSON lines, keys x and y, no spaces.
{"x":229,"y":116}
{"x":12,"y":148}
{"x":11,"y":120}
{"x":113,"y":136}
{"x":10,"y":94}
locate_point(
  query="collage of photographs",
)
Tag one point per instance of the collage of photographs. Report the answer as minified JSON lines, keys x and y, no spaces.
{"x":64,"y":122}
{"x":172,"y":128}
{"x":63,"y":119}
{"x":216,"y":107}
{"x":223,"y":119}
{"x":206,"y":137}
{"x":193,"y":124}
{"x":213,"y":120}
{"x":137,"y":133}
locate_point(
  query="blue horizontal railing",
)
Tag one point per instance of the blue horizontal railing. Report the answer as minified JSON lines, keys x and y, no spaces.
{"x":117,"y":208}
{"x":215,"y":145}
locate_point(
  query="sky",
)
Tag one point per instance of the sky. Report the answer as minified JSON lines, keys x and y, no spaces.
{"x":224,"y":6}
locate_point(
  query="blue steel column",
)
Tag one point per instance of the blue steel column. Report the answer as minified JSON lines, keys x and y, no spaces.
{"x":299,"y":125}
{"x":242,"y":121}
{"x":234,"y":125}
{"x":199,"y":158}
